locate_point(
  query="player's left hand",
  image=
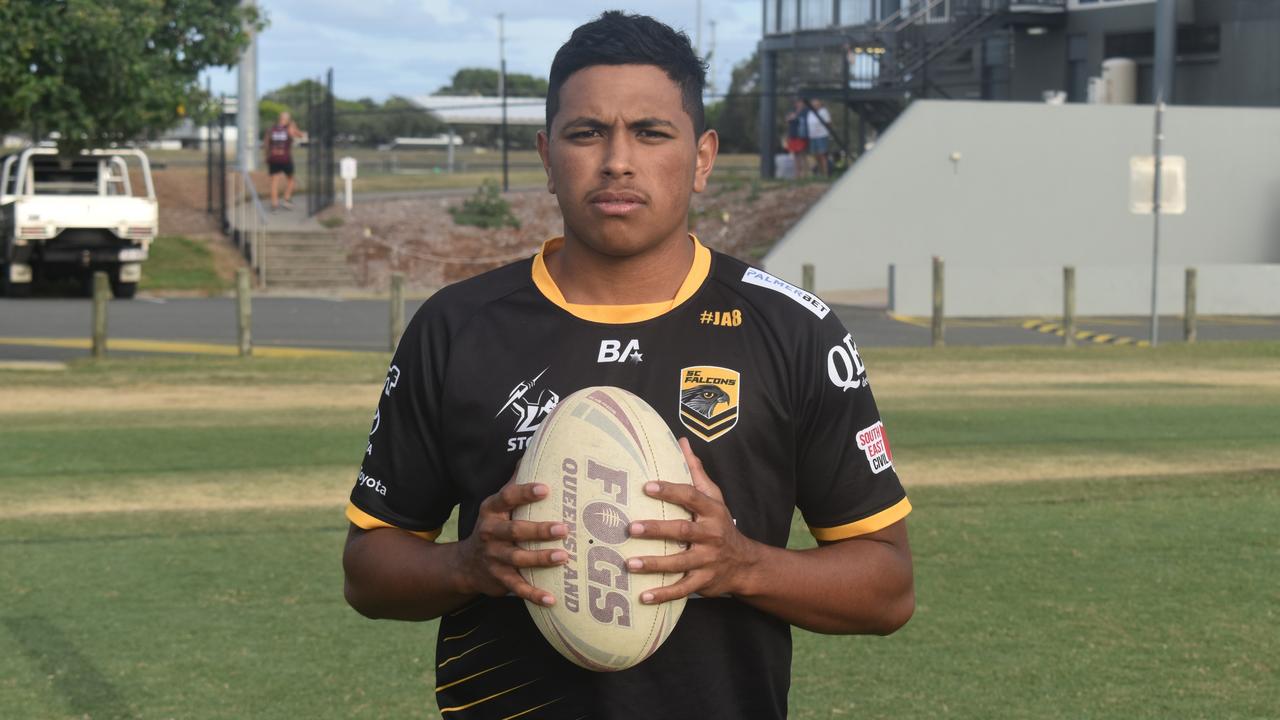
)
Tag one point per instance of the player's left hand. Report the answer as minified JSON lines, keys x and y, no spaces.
{"x":717,"y":554}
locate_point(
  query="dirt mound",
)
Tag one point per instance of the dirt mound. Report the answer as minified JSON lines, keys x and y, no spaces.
{"x":418,"y":237}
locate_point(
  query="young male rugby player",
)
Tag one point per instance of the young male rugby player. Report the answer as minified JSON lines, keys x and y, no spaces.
{"x":761,"y":379}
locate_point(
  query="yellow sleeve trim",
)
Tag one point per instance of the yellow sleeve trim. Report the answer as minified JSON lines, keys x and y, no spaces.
{"x":879,"y":521}
{"x":365,"y":521}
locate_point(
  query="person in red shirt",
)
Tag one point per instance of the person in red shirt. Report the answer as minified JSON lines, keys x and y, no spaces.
{"x":278,"y":141}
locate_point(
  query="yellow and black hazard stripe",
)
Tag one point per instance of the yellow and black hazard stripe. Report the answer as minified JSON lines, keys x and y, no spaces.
{"x":1053,"y":328}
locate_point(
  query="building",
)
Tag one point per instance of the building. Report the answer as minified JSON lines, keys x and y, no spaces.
{"x":875,"y":56}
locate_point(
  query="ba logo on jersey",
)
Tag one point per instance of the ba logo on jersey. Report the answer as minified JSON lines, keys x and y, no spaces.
{"x":614,"y":351}
{"x":709,"y":398}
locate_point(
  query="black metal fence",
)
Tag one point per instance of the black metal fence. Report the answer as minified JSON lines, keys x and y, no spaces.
{"x":320,"y":160}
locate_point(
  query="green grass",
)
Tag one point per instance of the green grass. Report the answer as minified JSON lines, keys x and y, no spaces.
{"x":180,"y":263}
{"x":1149,"y":596}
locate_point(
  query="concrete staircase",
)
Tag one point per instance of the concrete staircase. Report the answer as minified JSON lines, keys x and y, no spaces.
{"x":305,"y":258}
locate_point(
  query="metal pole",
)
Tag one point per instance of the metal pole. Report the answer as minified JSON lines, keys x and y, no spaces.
{"x":806,"y":281}
{"x":502,"y":90}
{"x":244,"y":312}
{"x":697,"y":23}
{"x":247,"y":100}
{"x":937,"y":326}
{"x":208,"y":153}
{"x":768,"y":112}
{"x":397,"y":308}
{"x":451,"y":150}
{"x":893,"y":289}
{"x":1069,"y":306}
{"x":1155,"y":214}
{"x":1189,"y":309}
{"x":1166,"y":40}
{"x":101,"y":293}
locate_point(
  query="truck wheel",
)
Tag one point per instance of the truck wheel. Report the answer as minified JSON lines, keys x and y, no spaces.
{"x":124,"y":290}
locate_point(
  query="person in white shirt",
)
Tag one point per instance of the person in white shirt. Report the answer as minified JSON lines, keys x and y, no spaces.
{"x":819,"y":119}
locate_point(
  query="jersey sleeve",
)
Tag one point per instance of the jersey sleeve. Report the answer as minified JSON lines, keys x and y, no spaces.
{"x":847,"y":482}
{"x":403,"y":481}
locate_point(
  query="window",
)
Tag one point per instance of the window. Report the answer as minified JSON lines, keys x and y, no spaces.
{"x":770,"y":16}
{"x":787,"y":15}
{"x":815,"y":14}
{"x":1192,"y":40}
{"x":1077,"y":68}
{"x":857,"y":12}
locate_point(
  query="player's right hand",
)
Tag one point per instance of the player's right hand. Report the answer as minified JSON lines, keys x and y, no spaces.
{"x":491,"y":555}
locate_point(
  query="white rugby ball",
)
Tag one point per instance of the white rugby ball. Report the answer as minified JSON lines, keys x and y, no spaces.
{"x":595,"y":452}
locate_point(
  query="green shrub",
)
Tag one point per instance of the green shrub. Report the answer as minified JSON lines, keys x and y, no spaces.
{"x":486,"y":209}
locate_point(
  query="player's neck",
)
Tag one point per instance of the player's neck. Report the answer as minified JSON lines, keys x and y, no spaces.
{"x":587,"y":277}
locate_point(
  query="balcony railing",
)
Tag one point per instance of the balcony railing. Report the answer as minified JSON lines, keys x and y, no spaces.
{"x":788,"y":16}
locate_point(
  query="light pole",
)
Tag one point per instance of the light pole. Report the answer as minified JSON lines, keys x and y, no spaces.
{"x":502,"y":90}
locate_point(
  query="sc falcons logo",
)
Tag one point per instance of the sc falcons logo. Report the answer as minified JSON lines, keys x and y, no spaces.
{"x":529,"y":408}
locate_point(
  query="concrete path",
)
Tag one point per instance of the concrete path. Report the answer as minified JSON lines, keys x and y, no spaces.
{"x":58,"y":328}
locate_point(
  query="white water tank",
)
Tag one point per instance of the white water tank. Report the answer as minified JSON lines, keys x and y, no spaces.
{"x":1121,"y":78}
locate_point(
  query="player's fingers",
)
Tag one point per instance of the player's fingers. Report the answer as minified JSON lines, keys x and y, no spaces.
{"x":517,"y":586}
{"x":677,"y":563}
{"x":698,"y":473}
{"x":512,"y":531}
{"x":521,"y":558}
{"x":686,"y":496}
{"x":513,"y":495}
{"x":685,"y":531}
{"x":686,"y":586}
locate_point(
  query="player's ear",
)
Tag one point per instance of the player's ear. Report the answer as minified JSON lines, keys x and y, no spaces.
{"x":708,"y":148}
{"x":544,"y":152}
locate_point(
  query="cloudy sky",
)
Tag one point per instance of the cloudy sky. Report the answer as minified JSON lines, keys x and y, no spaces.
{"x":379,"y":48}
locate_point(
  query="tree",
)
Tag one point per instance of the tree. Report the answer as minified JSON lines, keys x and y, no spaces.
{"x":105,"y":71}
{"x":484,"y":81}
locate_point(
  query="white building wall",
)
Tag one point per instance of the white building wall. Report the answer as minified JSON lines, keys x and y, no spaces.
{"x":1020,"y":188}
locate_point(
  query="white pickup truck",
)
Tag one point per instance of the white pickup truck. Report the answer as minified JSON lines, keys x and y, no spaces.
{"x":70,"y":216}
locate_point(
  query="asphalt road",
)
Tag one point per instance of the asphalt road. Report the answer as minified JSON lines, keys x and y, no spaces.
{"x":58,"y":328}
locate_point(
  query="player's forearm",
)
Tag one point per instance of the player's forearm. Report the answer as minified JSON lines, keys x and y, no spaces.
{"x":858,"y":586}
{"x":391,"y":574}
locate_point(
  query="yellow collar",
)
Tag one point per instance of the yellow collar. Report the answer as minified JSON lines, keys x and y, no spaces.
{"x":619,"y":314}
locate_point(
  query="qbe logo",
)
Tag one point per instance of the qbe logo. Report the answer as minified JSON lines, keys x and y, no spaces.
{"x":875,"y":443}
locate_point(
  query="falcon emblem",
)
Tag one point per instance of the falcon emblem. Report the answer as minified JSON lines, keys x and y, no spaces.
{"x":709,"y":400}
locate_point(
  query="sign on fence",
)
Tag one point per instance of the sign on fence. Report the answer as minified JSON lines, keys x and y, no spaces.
{"x":1173,"y":184}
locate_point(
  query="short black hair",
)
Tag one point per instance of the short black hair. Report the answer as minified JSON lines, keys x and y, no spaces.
{"x":619,"y":38}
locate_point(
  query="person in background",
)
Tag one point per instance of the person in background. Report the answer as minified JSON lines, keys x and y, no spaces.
{"x":797,"y":137}
{"x":819,"y":119}
{"x":279,"y":144}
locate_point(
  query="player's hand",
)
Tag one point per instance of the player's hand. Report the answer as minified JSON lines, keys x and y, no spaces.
{"x":716,"y":555}
{"x":491,"y":556}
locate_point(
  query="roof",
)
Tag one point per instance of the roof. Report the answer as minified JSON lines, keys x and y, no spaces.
{"x":484,"y":109}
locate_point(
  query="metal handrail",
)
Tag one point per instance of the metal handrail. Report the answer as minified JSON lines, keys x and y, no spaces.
{"x":260,"y":223}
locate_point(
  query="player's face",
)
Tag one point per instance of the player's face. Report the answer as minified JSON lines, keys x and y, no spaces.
{"x":622,"y":159}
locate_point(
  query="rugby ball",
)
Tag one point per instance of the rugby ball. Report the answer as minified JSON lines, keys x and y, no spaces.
{"x":595,"y":452}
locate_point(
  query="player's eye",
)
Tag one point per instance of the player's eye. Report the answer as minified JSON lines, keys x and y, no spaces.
{"x":583,"y":134}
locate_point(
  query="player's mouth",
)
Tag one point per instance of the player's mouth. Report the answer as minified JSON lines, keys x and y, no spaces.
{"x":616,"y":203}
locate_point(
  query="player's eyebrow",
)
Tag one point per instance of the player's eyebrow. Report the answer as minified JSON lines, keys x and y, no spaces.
{"x":646,"y":123}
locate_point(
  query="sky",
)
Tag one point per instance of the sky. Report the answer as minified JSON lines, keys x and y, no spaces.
{"x":379,"y":48}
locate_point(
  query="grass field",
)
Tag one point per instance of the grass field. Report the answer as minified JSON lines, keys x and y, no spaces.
{"x":1095,"y":536}
{"x":180,"y":263}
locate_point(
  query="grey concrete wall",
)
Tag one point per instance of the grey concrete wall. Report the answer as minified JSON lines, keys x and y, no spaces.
{"x":985,"y":291}
{"x":1040,"y":185}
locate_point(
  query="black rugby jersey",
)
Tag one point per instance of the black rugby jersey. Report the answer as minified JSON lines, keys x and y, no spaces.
{"x":761,"y":377}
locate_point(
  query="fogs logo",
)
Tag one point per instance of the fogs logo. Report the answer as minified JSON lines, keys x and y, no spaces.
{"x":530,"y":405}
{"x":709,"y":398}
{"x":875,"y":443}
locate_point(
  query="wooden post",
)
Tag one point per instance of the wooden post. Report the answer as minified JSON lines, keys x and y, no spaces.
{"x":1069,"y":306}
{"x":397,"y":308}
{"x":101,"y":293}
{"x":1189,"y":311}
{"x":938,"y":328}
{"x":244,"y":313}
{"x":806,"y":280}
